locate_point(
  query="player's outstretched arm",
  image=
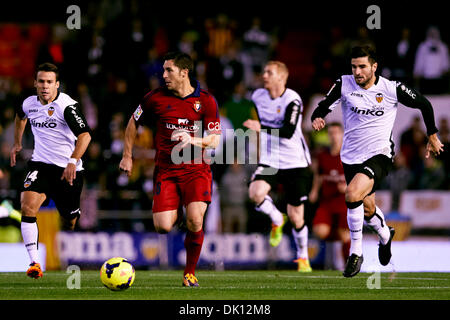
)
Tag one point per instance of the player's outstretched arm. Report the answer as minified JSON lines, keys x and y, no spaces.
{"x":434,"y":146}
{"x":414,"y":99}
{"x":19,"y":128}
{"x":126,"y":164}
{"x":326,"y":106}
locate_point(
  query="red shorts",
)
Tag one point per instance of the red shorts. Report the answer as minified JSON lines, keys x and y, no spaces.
{"x":332,"y":212}
{"x":176,"y":187}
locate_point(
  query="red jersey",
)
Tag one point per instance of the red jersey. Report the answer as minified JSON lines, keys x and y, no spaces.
{"x":332,"y":172}
{"x":194,"y":114}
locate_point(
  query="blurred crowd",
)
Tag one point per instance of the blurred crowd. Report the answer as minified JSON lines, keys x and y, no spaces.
{"x":116,"y":58}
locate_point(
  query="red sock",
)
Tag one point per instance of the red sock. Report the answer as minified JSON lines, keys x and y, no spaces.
{"x":193,"y":244}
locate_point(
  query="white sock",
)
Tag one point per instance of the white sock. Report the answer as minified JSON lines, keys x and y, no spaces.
{"x":378,"y":223}
{"x":355,"y":220}
{"x":301,"y":241}
{"x":269,"y":208}
{"x":30,"y":235}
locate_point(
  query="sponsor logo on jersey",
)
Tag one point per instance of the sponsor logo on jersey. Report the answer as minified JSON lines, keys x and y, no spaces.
{"x":183,"y":121}
{"x":272,"y":123}
{"x":137,"y":113}
{"x":197,"y":106}
{"x":356,"y":94}
{"x":375,"y":111}
{"x":379,"y":97}
{"x":294,"y":114}
{"x":184,"y":127}
{"x":33,"y":110}
{"x":408,"y":91}
{"x":45,"y":124}
{"x":50,"y":111}
{"x":78,"y":119}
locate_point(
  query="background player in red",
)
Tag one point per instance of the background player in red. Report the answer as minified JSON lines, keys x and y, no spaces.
{"x":330,"y":220}
{"x":180,"y":111}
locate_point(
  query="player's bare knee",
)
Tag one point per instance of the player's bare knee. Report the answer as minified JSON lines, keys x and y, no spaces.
{"x":27,"y":210}
{"x":256,"y":196}
{"x":194,"y":224}
{"x":321,"y":231}
{"x":352,"y":194}
{"x":297,"y":221}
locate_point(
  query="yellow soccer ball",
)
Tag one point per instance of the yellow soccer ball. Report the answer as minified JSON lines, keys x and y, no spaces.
{"x":117,"y":274}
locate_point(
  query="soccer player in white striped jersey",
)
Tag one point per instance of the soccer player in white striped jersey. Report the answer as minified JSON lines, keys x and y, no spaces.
{"x":369,"y":107}
{"x":284,"y":158}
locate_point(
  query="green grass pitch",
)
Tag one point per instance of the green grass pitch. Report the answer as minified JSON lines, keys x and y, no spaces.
{"x":232,"y":285}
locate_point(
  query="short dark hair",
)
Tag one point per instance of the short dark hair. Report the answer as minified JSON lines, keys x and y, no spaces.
{"x":181,"y":60}
{"x":364,"y":51}
{"x":48,"y":67}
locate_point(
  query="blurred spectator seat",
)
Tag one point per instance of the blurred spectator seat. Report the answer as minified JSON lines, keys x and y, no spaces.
{"x":38,"y":33}
{"x":10,"y":32}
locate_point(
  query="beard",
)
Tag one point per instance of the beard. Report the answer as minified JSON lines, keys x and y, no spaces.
{"x":365,"y":81}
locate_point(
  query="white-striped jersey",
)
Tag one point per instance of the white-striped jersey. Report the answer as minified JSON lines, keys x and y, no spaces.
{"x":282,"y":143}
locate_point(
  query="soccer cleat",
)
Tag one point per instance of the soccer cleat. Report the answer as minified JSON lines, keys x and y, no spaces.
{"x":189,"y":280}
{"x":384,"y":250}
{"x":34,"y":271}
{"x":276,"y":234}
{"x":303,"y":265}
{"x":353,"y":266}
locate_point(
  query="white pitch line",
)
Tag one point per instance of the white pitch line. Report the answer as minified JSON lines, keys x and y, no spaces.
{"x":341,"y":277}
{"x":228,"y":287}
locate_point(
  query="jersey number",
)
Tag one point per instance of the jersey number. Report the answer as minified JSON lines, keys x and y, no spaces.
{"x":31,"y":176}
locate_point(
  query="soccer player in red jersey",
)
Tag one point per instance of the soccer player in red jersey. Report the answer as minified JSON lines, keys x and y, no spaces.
{"x":181,"y":112}
{"x":330,"y":220}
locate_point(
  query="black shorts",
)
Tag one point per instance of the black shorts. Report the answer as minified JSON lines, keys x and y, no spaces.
{"x":46,"y":178}
{"x":376,"y":168}
{"x":296,"y":182}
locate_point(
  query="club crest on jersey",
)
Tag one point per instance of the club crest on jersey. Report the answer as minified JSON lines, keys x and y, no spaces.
{"x":27,"y":184}
{"x":197,"y":106}
{"x":278,"y":109}
{"x":379,"y":97}
{"x":50,"y":111}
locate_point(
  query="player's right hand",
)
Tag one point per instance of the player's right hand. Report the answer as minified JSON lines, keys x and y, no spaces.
{"x":318,"y":124}
{"x":252,"y":124}
{"x":126,"y":164}
{"x":15,"y":150}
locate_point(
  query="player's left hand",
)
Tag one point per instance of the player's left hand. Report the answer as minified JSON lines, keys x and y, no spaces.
{"x":182,"y":136}
{"x":434,"y":145}
{"x":70,"y":173}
